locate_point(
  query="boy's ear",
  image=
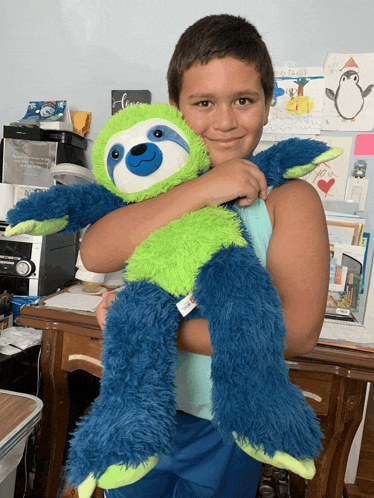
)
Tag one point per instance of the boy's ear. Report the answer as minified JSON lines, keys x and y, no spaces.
{"x":267,"y":109}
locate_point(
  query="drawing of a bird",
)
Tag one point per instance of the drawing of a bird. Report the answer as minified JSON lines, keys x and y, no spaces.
{"x":349,"y":96}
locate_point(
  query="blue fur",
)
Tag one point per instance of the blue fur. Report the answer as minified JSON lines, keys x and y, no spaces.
{"x":84,"y":204}
{"x":133,"y":418}
{"x":278,"y":158}
{"x":235,"y":294}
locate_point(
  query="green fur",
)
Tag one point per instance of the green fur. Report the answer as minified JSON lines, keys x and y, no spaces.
{"x":159,"y":257}
{"x":299,"y":171}
{"x":125,"y":119}
{"x":328,"y":155}
{"x":33,"y":227}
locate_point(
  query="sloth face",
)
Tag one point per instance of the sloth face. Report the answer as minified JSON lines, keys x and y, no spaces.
{"x":146,"y":153}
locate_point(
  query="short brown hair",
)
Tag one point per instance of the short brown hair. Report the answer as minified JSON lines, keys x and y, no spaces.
{"x":215,"y":37}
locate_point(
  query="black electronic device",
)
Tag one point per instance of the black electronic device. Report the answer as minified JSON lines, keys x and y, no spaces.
{"x":36,"y":265}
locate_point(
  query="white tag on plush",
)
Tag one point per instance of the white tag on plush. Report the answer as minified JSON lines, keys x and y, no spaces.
{"x":187,"y":304}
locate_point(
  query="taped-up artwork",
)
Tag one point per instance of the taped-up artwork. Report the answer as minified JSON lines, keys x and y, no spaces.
{"x":330,"y":178}
{"x":297,"y":103}
{"x":349,"y":93}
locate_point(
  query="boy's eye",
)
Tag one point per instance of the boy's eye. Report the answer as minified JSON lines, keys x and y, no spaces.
{"x":204,"y":103}
{"x":243,"y":101}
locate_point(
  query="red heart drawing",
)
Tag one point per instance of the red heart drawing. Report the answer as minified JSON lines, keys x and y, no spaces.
{"x":325,"y":186}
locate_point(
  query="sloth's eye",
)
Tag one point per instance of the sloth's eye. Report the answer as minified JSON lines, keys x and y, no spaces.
{"x":115,"y":154}
{"x":158,"y":133}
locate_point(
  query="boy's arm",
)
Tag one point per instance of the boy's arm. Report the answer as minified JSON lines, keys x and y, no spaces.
{"x":109,"y":242}
{"x":298,"y":259}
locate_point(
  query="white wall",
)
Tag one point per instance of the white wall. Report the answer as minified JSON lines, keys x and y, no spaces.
{"x":80,"y":50}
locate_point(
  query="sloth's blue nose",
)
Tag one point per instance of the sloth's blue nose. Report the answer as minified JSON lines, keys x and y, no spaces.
{"x":144,"y":159}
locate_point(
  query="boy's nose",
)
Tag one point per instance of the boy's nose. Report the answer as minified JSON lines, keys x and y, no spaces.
{"x":225,"y":118}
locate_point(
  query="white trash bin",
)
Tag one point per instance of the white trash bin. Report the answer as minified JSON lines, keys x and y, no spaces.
{"x":19,"y":414}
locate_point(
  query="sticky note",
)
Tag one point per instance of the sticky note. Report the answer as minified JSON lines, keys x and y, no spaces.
{"x":364,"y":145}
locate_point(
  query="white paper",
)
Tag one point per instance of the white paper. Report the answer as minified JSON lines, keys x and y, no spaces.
{"x":14,"y":339}
{"x":74,"y":302}
{"x":349,"y":93}
{"x":330,"y":178}
{"x":297,"y":102}
{"x":340,"y":235}
{"x":9,"y":350}
{"x":356,"y":252}
{"x":348,"y":333}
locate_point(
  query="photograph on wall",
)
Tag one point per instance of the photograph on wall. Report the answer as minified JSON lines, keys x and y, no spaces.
{"x":349,"y":92}
{"x":297,"y":103}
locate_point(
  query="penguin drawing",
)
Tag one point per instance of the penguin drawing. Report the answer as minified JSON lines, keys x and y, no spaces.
{"x":349,"y":96}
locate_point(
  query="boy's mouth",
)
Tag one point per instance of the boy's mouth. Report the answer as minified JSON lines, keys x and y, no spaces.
{"x":231,"y":139}
{"x":225,"y":142}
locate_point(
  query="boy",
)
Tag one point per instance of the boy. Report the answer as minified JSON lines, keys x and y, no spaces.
{"x":221,"y":78}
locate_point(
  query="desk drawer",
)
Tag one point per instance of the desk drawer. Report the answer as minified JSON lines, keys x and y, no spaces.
{"x":81,"y":353}
{"x":316,"y":388}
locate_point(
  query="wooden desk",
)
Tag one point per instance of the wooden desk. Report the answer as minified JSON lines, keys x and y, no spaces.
{"x":333,"y":379}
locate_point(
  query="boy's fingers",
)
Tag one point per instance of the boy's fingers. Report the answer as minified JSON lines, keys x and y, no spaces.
{"x":108,"y":297}
{"x":246,"y":201}
{"x":102,"y":308}
{"x":260,"y":177}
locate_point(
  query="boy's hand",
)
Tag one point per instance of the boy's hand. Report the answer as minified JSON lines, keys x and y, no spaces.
{"x":235,"y":179}
{"x":102,"y":309}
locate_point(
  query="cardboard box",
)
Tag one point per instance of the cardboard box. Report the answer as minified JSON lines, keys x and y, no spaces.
{"x":6,"y":316}
{"x":6,"y":322}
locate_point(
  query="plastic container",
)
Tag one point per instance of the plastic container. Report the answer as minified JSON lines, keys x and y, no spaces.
{"x":19,"y":414}
{"x":27,"y":153}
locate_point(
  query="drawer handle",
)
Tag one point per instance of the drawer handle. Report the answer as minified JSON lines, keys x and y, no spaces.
{"x":85,"y":358}
{"x":317,"y":398}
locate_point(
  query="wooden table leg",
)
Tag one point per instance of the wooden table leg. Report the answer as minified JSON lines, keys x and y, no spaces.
{"x":339,"y":426}
{"x":353,"y":411}
{"x":55,"y":416}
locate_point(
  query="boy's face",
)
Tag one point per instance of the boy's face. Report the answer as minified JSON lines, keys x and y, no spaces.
{"x":224,"y":102}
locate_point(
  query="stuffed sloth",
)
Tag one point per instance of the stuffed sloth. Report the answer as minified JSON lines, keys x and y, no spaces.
{"x":141,"y":152}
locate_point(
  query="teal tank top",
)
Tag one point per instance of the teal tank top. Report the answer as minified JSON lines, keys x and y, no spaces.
{"x":192,"y":377}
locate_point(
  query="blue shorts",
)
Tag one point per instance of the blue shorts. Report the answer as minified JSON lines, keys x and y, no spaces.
{"x":202,"y":466}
